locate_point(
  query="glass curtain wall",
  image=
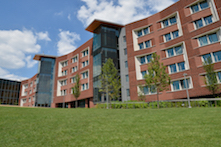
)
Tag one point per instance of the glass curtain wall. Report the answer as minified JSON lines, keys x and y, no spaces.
{"x":105,"y":45}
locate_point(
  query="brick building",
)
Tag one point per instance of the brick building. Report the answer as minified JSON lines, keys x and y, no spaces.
{"x":185,"y":35}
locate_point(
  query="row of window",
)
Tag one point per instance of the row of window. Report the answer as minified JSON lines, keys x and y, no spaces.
{"x":171,"y":36}
{"x":143,"y":31}
{"x":203,"y":22}
{"x":214,"y":57}
{"x":29,"y":99}
{"x":199,"y":6}
{"x":84,"y":86}
{"x":208,"y":39}
{"x":145,"y":44}
{"x":74,"y":69}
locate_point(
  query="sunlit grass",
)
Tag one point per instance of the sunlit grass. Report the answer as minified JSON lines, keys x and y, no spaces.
{"x":101,"y":127}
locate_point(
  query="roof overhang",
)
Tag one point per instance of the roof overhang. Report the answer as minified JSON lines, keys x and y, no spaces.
{"x":38,"y":56}
{"x":96,"y":23}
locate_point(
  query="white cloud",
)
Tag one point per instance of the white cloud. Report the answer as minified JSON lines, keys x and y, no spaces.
{"x":17,"y":46}
{"x":43,"y":36}
{"x":67,"y":41}
{"x":69,"y":16}
{"x":124,"y":11}
{"x":6,"y":75}
{"x":30,"y":61}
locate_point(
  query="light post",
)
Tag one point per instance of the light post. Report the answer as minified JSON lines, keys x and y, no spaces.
{"x":187,"y":93}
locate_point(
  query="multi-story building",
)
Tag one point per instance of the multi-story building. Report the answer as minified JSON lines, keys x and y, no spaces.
{"x":9,"y":92}
{"x":185,"y":35}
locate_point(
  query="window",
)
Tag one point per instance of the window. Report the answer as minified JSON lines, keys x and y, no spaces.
{"x":30,"y":92}
{"x":64,"y":92}
{"x":35,"y":82}
{"x":29,"y":99}
{"x":180,"y":84}
{"x":63,"y":82}
{"x":85,"y":63}
{"x":126,"y":65}
{"x":214,"y":57}
{"x":31,"y":84}
{"x":146,"y":59}
{"x":84,"y":53}
{"x":199,"y":6}
{"x":64,"y":73}
{"x":33,"y":98}
{"x":127,"y":78}
{"x":219,"y":76}
{"x":143,"y":31}
{"x":143,"y":73}
{"x":25,"y":86}
{"x":125,"y":51}
{"x":169,"y":22}
{"x":73,"y":80}
{"x":124,"y":38}
{"x":84,"y":86}
{"x":74,"y":59}
{"x":178,"y":50}
{"x":25,"y":93}
{"x":149,"y":90}
{"x":145,"y":44}
{"x":128,"y":92}
{"x":171,"y":35}
{"x":177,"y":67}
{"x":65,"y":63}
{"x":24,"y":100}
{"x":208,"y":39}
{"x":74,"y":69}
{"x":84,"y":75}
{"x":203,"y":22}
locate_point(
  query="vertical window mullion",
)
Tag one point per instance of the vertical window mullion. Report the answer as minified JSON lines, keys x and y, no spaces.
{"x":213,"y":58}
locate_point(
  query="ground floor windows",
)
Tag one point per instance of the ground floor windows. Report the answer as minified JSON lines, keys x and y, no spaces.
{"x":147,"y":90}
{"x":181,"y":84}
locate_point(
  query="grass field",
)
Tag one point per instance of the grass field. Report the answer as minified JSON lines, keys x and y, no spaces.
{"x":100,"y":127}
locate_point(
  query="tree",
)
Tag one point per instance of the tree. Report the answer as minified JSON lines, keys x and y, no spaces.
{"x":76,"y":89}
{"x":110,"y":80}
{"x":157,"y":76}
{"x":210,"y":78}
{"x":141,"y":94}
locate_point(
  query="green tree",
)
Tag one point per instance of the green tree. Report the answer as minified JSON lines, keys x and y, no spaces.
{"x":157,"y":76}
{"x":76,"y":89}
{"x":141,"y":94}
{"x":210,"y":78}
{"x":110,"y":80}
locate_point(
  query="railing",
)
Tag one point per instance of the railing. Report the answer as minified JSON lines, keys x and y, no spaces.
{"x":181,"y":103}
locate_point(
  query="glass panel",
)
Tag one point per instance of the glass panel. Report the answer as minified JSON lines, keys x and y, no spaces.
{"x":149,"y":57}
{"x":167,"y":37}
{"x":141,"y":46}
{"x":195,"y":8}
{"x":126,"y":65}
{"x":208,"y":20}
{"x":173,"y":68}
{"x":203,"y":41}
{"x":204,"y":5}
{"x":207,"y":58}
{"x":178,"y":50}
{"x":142,"y":60}
{"x":128,"y":92}
{"x":219,"y":76}
{"x":153,"y":89}
{"x":213,"y":38}
{"x":147,"y":43}
{"x":97,"y":65}
{"x":217,"y":56}
{"x":173,"y":20}
{"x":181,"y":66}
{"x":127,"y":78}
{"x":139,"y":33}
{"x":175,"y":34}
{"x":143,"y":73}
{"x":145,"y":90}
{"x":96,"y":41}
{"x":125,"y":51}
{"x":170,"y":52}
{"x":176,"y":85}
{"x":146,"y":30}
{"x":165,"y":23}
{"x":184,"y":83}
{"x":199,"y":23}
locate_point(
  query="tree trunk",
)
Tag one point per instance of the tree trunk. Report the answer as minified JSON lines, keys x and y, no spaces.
{"x":158,"y":106}
{"x":76,"y":103}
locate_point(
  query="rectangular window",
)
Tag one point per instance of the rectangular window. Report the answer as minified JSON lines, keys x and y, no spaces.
{"x":167,"y":37}
{"x":146,"y":59}
{"x":147,"y":43}
{"x":126,"y":65}
{"x":124,"y":38}
{"x":199,"y":23}
{"x":143,"y":73}
{"x":143,"y":32}
{"x":29,"y":99}
{"x":141,"y":46}
{"x":64,"y":73}
{"x":149,"y":57}
{"x":73,"y":80}
{"x":169,"y":21}
{"x":84,"y":86}
{"x":180,"y":84}
{"x":217,"y":56}
{"x":65,"y":63}
{"x":203,"y":22}
{"x":63,"y":92}
{"x":199,"y":6}
{"x":125,"y":51}
{"x":219,"y":76}
{"x":181,"y":66}
{"x":203,"y":41}
{"x":84,"y":53}
{"x":175,"y":34}
{"x":74,"y":59}
{"x":207,"y":58}
{"x":149,"y":90}
{"x":128,"y":92}
{"x":84,"y":75}
{"x":208,"y":20}
{"x":178,"y":50}
{"x":177,"y":67}
{"x":142,"y":60}
{"x":139,"y":33}
{"x":208,"y":39}
{"x":74,"y":69}
{"x":146,"y":30}
{"x":173,"y":68}
{"x":170,"y":52}
{"x":127,"y":78}
{"x":64,"y":82}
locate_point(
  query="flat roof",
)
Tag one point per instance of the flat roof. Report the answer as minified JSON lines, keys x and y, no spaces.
{"x":38,"y":56}
{"x":96,"y":23}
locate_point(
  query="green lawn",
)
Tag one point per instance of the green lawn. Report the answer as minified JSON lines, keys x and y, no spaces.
{"x":100,"y":127}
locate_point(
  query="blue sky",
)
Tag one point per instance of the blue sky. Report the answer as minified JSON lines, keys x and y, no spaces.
{"x":56,"y":27}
